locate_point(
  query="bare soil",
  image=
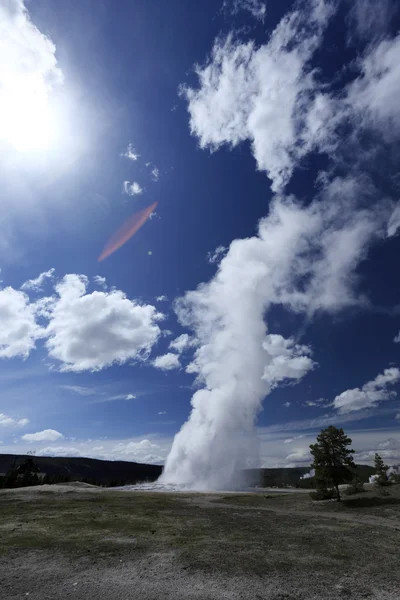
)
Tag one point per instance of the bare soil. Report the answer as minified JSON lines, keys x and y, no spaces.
{"x":90,"y":543}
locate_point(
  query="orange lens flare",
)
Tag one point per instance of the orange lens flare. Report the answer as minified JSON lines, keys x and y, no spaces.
{"x":128,"y":229}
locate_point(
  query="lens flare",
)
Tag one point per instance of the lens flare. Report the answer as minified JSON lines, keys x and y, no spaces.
{"x":128,"y":229}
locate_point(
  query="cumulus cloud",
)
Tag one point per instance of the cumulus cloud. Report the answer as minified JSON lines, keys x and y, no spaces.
{"x":47,"y":435}
{"x":131,"y":397}
{"x":132,"y":189}
{"x":155,"y":174}
{"x":7,"y":421}
{"x":267,"y":94}
{"x":370,"y":395}
{"x":130,"y":153}
{"x":88,"y":332}
{"x":216,"y":255}
{"x":167,"y":362}
{"x":181,"y":343}
{"x":36,"y":285}
{"x":162,"y":298}
{"x":288,"y":360}
{"x":19,"y":329}
{"x":28,"y":74}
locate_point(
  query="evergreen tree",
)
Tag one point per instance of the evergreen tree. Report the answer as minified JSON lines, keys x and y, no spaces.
{"x":381,"y":471}
{"x":332,"y":458}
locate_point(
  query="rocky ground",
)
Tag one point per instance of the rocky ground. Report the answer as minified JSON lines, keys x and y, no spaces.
{"x":85,"y":542}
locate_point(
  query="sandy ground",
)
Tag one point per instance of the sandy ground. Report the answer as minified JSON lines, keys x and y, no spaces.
{"x":84,"y":542}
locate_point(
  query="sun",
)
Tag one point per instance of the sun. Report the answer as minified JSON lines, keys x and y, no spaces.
{"x":27,"y":121}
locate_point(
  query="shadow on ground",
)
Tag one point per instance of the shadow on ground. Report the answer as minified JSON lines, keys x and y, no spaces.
{"x":367,"y":502}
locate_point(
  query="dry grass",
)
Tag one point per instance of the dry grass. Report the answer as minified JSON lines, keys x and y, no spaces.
{"x":244,"y":535}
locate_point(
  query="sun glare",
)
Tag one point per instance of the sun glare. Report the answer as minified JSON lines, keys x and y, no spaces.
{"x":26,"y":120}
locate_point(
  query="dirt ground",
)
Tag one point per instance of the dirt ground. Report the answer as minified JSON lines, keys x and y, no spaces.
{"x":85,"y":542}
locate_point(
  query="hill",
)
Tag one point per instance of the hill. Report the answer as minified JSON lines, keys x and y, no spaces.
{"x":91,"y":470}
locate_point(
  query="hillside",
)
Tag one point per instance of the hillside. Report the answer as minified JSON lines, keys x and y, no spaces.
{"x":100,"y":472}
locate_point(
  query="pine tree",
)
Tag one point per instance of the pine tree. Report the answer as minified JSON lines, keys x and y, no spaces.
{"x":381,"y":471}
{"x":332,"y":458}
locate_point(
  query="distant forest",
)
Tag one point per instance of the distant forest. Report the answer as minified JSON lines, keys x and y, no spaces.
{"x":23,"y":470}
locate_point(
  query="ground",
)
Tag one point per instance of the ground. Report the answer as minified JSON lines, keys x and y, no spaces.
{"x":85,"y":542}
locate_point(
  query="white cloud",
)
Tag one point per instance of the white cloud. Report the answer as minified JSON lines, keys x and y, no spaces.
{"x":181,"y":343}
{"x":155,"y":173}
{"x":287,"y":404}
{"x":130,"y":397}
{"x":88,"y":332}
{"x":130,"y":153}
{"x":265,"y":94}
{"x":318,"y":402}
{"x":143,"y":451}
{"x":162,"y":412}
{"x":370,"y":395}
{"x":63,"y":451}
{"x":132,"y":189}
{"x":389,"y":449}
{"x":100,"y":281}
{"x":394,"y":221}
{"x":79,"y":389}
{"x":162,"y":298}
{"x":291,"y":440}
{"x":28,"y":73}
{"x":47,"y":435}
{"x":36,"y":285}
{"x":299,"y":458}
{"x":7,"y":421}
{"x":216,"y":255}
{"x":397,"y":338}
{"x":19,"y":329}
{"x":287,"y":360}
{"x":167,"y":362}
{"x":370,"y":19}
{"x":374,"y":95}
{"x":256,"y":8}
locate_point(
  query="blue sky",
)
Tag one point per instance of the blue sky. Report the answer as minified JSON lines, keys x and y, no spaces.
{"x":269,"y":137}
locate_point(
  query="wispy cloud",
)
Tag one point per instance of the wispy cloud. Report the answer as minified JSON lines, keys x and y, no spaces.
{"x":130,"y":153}
{"x":79,"y":389}
{"x":217,"y":254}
{"x":36,"y":285}
{"x":132,"y":189}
